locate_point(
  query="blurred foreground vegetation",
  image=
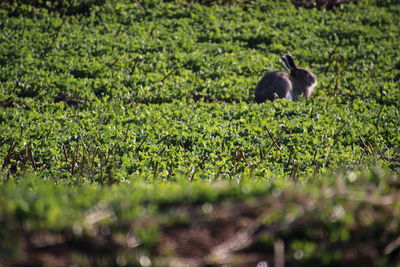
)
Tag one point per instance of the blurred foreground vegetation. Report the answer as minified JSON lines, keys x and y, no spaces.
{"x":351,"y":219}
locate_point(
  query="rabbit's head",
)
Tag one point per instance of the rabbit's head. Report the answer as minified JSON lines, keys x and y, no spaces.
{"x":303,"y":80}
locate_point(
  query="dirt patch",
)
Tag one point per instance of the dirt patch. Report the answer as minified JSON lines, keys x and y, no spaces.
{"x":70,"y":101}
{"x":329,"y":4}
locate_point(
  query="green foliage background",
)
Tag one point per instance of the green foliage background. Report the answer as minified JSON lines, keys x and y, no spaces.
{"x":166,"y":89}
{"x":160,"y":93}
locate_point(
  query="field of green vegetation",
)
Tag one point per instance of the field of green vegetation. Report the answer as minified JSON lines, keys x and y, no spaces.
{"x":129,"y":134}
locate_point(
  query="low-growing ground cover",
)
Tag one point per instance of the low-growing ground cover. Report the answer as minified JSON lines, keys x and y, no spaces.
{"x":146,"y":95}
{"x":164,"y":90}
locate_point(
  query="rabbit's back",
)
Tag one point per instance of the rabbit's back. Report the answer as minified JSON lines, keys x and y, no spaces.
{"x":274,"y":85}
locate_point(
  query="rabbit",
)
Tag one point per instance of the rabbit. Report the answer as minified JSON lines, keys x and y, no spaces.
{"x":278,"y":84}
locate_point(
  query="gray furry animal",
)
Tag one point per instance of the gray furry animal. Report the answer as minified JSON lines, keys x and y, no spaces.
{"x":279,"y":84}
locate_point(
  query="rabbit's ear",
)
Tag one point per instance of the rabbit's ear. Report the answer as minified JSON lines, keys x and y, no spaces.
{"x":289,"y":62}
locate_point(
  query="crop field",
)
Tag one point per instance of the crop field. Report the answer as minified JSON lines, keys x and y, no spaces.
{"x":129,"y":134}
